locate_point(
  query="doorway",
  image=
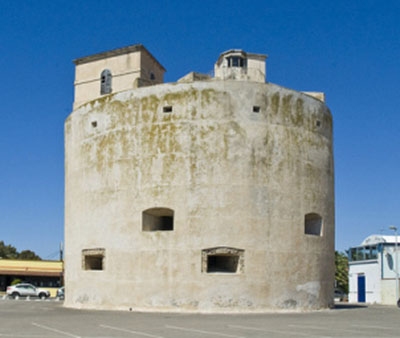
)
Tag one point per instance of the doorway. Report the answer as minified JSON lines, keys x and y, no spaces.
{"x":361,"y":288}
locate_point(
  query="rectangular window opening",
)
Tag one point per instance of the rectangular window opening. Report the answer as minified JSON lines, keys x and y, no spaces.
{"x":222,"y":263}
{"x":256,"y":109}
{"x":167,"y":109}
{"x":363,"y":253}
{"x":94,"y":263}
{"x":93,"y":259}
{"x":313,"y":224}
{"x":158,"y":219}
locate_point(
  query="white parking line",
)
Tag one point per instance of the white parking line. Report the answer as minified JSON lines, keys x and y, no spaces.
{"x":13,"y":335}
{"x":387,"y":328}
{"x":292,"y":333}
{"x":201,"y":331}
{"x":337,"y":329}
{"x":130,"y":331}
{"x":55,"y":330}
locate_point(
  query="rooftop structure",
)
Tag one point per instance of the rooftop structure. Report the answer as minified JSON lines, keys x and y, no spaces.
{"x":114,"y":71}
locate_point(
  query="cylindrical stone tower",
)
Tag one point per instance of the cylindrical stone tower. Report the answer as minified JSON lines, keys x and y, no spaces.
{"x":212,"y":196}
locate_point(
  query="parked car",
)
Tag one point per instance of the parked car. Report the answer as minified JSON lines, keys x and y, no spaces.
{"x":61,"y":292}
{"x":340,"y":296}
{"x":25,"y":290}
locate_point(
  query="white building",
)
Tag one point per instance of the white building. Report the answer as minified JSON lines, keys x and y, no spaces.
{"x":372,"y":271}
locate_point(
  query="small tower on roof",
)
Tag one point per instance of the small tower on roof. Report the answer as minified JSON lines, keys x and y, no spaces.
{"x":236,"y":64}
{"x":115,"y":71}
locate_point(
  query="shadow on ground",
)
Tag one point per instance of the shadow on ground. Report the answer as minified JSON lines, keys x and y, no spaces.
{"x":344,"y":306}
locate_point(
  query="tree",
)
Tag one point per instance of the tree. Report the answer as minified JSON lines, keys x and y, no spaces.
{"x":28,"y":255}
{"x":342,"y":271}
{"x":10,"y":252}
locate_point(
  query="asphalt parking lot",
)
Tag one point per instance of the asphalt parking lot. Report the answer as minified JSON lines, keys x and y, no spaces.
{"x":49,"y":319}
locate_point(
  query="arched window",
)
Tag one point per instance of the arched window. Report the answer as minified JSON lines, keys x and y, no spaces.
{"x":313,"y":224}
{"x":158,"y":219}
{"x":105,"y":82}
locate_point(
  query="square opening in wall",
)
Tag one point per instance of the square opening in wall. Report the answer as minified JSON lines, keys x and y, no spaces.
{"x":256,"y":109}
{"x":93,"y":259}
{"x":167,"y":109}
{"x":93,"y":263}
{"x":313,"y":224}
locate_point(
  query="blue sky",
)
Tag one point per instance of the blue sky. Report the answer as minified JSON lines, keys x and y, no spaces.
{"x":348,"y":49}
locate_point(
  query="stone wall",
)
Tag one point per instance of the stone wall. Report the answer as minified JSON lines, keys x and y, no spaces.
{"x":235,"y":166}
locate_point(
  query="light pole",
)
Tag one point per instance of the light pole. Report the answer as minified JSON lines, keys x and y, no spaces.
{"x":392,"y":227}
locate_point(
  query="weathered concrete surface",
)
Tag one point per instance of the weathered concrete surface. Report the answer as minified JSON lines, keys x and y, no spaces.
{"x":233,"y":177}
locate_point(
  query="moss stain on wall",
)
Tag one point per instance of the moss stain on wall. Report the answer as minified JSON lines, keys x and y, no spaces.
{"x":275,"y":104}
{"x":207,"y":96}
{"x":148,"y":108}
{"x":298,"y":113}
{"x":178,"y":97}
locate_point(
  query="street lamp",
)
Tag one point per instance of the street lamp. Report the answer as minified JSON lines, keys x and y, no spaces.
{"x":392,"y":227}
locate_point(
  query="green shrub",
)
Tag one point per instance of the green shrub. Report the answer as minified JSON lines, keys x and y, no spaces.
{"x":16,"y":281}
